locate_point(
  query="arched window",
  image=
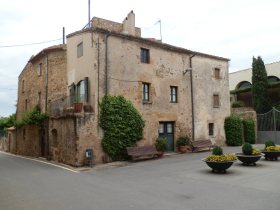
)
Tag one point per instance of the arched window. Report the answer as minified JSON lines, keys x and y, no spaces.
{"x":272,"y":79}
{"x":244,"y":84}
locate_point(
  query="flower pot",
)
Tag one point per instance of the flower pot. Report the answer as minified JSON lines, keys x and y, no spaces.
{"x":219,"y":166}
{"x":160,"y":153}
{"x":271,"y":155}
{"x":78,"y":107}
{"x":184,"y":149}
{"x":248,"y":159}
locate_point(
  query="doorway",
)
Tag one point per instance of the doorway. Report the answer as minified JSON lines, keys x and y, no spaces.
{"x":166,"y":129}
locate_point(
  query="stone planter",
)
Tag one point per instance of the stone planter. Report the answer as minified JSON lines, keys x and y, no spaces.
{"x":248,"y":159}
{"x":219,"y":167}
{"x":271,"y":155}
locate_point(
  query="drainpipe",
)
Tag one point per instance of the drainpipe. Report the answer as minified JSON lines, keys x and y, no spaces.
{"x":192,"y":98}
{"x":46,"y":108}
{"x":106,"y":64}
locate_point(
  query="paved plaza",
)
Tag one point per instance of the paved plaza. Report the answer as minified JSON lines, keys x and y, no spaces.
{"x":178,"y":181}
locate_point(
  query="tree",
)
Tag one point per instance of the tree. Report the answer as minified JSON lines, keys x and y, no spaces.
{"x":260,"y":97}
{"x":122,"y":124}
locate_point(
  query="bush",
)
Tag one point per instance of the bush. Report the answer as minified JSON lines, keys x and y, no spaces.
{"x":122,"y":125}
{"x":233,"y":130}
{"x":247,"y":149}
{"x":269,"y":143}
{"x":249,"y":131}
{"x":237,"y":104}
{"x":217,"y":151}
{"x":182,"y":141}
{"x":161,"y":144}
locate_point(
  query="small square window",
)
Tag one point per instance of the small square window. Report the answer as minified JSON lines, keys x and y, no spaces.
{"x":80,"y":50}
{"x":173,"y":94}
{"x":146,"y":92}
{"x":145,"y":55}
{"x":211,"y":129}
{"x":216,"y":101}
{"x":217,"y":72}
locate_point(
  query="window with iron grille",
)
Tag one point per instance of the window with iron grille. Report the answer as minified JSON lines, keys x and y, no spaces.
{"x":146,"y":92}
{"x":145,"y":55}
{"x":173,"y":94}
{"x":39,"y":69}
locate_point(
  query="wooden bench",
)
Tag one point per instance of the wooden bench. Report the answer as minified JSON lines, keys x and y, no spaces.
{"x":142,"y":152}
{"x":199,"y":144}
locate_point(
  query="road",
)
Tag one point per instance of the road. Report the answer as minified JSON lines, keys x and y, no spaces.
{"x":173,"y":182}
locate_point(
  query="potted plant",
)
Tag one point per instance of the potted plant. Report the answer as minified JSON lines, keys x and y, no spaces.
{"x":218,"y":161}
{"x":249,"y":155}
{"x":182,"y":144}
{"x":161,"y":145}
{"x":271,"y":151}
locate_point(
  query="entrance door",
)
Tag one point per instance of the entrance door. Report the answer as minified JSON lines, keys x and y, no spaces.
{"x":166,"y":129}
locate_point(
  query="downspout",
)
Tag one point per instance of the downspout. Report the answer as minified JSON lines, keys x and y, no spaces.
{"x":106,"y":64}
{"x":192,"y":98}
{"x":46,"y":108}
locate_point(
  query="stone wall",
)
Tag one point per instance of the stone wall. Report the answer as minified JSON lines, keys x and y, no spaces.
{"x":29,"y":141}
{"x":63,"y":140}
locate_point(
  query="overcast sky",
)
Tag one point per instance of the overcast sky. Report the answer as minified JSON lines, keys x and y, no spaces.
{"x":235,"y":29}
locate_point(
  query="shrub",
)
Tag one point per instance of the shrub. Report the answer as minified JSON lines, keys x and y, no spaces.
{"x":182,"y":141}
{"x":233,"y":130}
{"x":122,"y":125}
{"x":221,"y":158}
{"x":217,"y":151}
{"x":269,"y":143}
{"x":247,"y":149}
{"x":161,"y":144}
{"x":273,"y":148}
{"x":237,"y":104}
{"x":249,"y":131}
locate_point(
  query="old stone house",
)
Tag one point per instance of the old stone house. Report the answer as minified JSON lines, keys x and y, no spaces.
{"x":178,"y":91}
{"x":42,"y":80}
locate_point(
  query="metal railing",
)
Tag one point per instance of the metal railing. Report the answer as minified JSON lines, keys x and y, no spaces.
{"x":71,"y":105}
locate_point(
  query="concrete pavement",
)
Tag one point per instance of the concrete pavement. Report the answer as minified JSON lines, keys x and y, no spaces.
{"x":173,"y":182}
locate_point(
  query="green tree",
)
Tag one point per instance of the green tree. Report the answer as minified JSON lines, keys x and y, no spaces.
{"x":260,"y":97}
{"x":122,"y":125}
{"x":6,"y":122}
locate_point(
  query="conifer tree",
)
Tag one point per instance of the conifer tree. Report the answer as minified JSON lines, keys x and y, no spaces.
{"x":260,"y":97}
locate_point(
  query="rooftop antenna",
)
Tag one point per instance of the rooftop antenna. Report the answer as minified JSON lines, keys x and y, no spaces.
{"x":159,"y":21}
{"x":89,"y":14}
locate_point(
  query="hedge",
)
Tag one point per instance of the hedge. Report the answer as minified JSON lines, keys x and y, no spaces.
{"x":249,"y":131}
{"x":233,"y":129}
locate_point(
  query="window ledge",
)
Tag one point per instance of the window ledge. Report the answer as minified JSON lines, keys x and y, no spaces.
{"x":146,"y":102}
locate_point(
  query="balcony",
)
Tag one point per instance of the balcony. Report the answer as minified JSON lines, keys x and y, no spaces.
{"x":68,"y":106}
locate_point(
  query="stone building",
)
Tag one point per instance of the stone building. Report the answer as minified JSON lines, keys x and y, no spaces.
{"x":178,"y":91}
{"x":42,"y":80}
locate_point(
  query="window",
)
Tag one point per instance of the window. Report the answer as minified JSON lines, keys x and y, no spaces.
{"x":161,"y":128}
{"x":82,"y":91}
{"x":80,"y":50}
{"x":145,"y":55}
{"x":39,"y":69}
{"x":146,"y":92}
{"x":25,"y":104}
{"x":39,"y":99}
{"x":22,"y":86}
{"x":211,"y":129}
{"x":217,"y":73}
{"x":216,"y":100}
{"x":173,"y":94}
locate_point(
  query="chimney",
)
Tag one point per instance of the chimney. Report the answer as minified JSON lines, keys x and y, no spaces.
{"x":129,"y":24}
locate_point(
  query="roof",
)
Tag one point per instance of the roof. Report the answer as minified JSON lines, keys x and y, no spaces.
{"x":146,"y":41}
